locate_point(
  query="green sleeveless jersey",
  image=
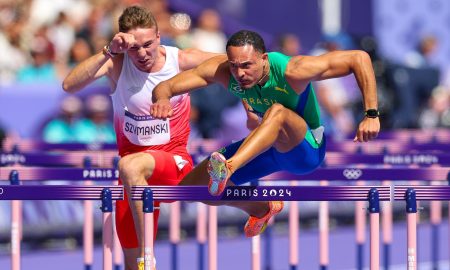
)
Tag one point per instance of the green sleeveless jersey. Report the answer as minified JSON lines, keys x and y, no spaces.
{"x":277,"y":90}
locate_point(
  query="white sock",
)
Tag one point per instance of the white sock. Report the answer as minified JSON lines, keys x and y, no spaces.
{"x":141,"y":259}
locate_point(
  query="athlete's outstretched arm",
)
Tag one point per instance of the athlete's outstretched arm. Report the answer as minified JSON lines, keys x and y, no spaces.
{"x":214,"y":70}
{"x":99,"y":65}
{"x":302,"y":69}
{"x":86,"y":72}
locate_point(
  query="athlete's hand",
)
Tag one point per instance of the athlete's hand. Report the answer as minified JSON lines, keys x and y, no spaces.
{"x":368,"y":129}
{"x":121,"y":42}
{"x":161,"y":109}
{"x":253,"y":120}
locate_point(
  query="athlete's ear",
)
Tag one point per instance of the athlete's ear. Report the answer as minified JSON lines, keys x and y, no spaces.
{"x":158,"y":38}
{"x":264,"y":56}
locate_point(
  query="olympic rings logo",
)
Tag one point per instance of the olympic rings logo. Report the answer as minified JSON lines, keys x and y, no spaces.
{"x":352,"y":173}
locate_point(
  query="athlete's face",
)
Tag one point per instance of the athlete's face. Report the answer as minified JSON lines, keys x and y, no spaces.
{"x":246,"y":65}
{"x":144,"y":51}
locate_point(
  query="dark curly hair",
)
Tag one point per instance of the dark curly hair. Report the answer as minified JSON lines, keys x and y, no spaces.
{"x":246,"y":37}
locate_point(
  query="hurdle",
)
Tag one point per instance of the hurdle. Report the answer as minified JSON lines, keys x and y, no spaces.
{"x":32,"y":145}
{"x":42,"y":173}
{"x":395,"y":174}
{"x":416,"y":159}
{"x":396,"y":149}
{"x":69,"y":174}
{"x":86,"y":158}
{"x":411,"y":194}
{"x":371,"y":174}
{"x":39,"y":159}
{"x":373,"y":194}
{"x":386,"y":152}
{"x":399,"y":159}
{"x":382,"y":152}
{"x":64,"y":192}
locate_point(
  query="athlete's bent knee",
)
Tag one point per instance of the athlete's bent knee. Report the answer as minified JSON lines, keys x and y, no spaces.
{"x":276,"y":108}
{"x":276,"y":112}
{"x":134,"y":167}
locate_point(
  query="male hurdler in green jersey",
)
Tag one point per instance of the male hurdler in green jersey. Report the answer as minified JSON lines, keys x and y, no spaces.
{"x":282,"y":111}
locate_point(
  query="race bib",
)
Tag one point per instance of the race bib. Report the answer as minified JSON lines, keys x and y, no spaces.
{"x":146,"y":130}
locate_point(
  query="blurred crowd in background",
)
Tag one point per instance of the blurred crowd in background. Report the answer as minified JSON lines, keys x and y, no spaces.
{"x":41,"y":42}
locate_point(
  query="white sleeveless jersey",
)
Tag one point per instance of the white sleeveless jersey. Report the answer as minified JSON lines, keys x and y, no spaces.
{"x":136,"y":130}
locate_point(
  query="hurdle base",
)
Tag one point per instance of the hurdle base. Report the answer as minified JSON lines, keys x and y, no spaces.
{"x":201,"y":256}
{"x":174,"y":252}
{"x":387,"y":255}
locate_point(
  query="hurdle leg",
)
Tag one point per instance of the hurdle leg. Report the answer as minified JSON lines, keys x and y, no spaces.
{"x":256,"y":254}
{"x":212,"y":235}
{"x":117,"y":249}
{"x":201,"y":234}
{"x":293,"y":233}
{"x":360,"y":227}
{"x":148,"y":229}
{"x":374,"y":210}
{"x":174,"y":232}
{"x":386,"y":228}
{"x":435,"y":208}
{"x":16,"y":225}
{"x":412,"y":245}
{"x":323,"y":232}
{"x":107,"y":229}
{"x":88,"y":233}
{"x":436,"y":219}
{"x":268,"y":236}
{"x":411,"y":218}
{"x":16,"y":213}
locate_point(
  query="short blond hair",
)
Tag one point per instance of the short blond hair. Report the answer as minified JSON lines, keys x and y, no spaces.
{"x":134,"y":17}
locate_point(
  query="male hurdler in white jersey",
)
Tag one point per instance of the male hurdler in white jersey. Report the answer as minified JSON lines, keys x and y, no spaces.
{"x":153,"y":151}
{"x":135,"y":128}
{"x":164,"y":141}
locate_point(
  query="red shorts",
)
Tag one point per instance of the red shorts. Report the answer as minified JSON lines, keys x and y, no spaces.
{"x":166,"y":173}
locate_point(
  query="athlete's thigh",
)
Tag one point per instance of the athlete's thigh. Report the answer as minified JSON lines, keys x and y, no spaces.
{"x":303,"y":158}
{"x":198,"y":176}
{"x":166,"y":170}
{"x":293,"y":131}
{"x":262,"y":165}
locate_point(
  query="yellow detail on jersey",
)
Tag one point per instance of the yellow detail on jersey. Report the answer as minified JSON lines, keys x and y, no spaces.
{"x":281,"y":90}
